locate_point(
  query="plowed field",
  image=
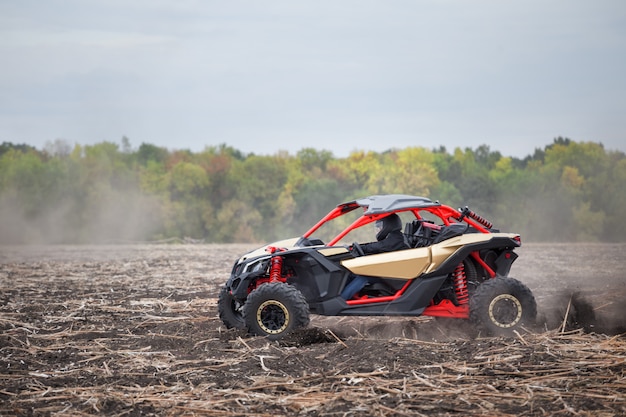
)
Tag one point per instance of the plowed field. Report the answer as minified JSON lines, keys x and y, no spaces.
{"x":133,"y":330}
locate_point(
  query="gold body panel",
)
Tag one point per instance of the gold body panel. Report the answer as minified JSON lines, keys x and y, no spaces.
{"x":411,"y":263}
{"x":402,"y":264}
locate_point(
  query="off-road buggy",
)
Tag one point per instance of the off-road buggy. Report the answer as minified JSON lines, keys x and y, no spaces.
{"x":456,"y":266}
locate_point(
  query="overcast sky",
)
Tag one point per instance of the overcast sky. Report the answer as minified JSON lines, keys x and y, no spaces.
{"x":340,"y":75}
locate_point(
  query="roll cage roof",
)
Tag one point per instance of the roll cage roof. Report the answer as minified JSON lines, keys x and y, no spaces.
{"x":392,"y":203}
{"x":379,"y":206}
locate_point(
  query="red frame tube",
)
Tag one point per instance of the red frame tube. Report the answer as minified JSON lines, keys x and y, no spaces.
{"x":397,"y":295}
{"x":447,"y":214}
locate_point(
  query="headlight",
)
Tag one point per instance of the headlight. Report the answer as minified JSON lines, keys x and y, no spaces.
{"x":256,"y":265}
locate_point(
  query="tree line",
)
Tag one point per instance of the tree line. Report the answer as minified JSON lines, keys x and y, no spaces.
{"x":110,"y":192}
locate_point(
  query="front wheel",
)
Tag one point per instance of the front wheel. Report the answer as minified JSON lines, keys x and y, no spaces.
{"x":229,"y":310}
{"x":502,"y":305}
{"x":275,"y":309}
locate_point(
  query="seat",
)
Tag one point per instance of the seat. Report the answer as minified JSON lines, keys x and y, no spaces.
{"x":409,"y":233}
{"x":420,"y":233}
{"x":450,"y":231}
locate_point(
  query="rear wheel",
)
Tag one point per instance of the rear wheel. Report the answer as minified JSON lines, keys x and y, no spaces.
{"x":502,"y":305}
{"x":229,"y":310}
{"x":275,"y":309}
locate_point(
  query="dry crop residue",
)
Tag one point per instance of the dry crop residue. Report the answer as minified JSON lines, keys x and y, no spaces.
{"x":133,"y":330}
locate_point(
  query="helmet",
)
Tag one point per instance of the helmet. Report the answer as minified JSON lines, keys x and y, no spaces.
{"x":387,"y":225}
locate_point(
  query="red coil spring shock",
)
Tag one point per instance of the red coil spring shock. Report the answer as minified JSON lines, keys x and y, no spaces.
{"x":469,"y":213}
{"x":460,"y":285}
{"x":276,"y":269}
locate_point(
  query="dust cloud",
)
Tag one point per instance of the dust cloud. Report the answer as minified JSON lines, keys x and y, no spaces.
{"x":575,"y":311}
{"x":118,"y":216}
{"x":577,"y":285}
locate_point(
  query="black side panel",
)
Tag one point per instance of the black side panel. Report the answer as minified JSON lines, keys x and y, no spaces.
{"x":412,"y":303}
{"x":417,"y":296}
{"x":504,"y":262}
{"x":316,"y":277}
{"x":331,"y":307}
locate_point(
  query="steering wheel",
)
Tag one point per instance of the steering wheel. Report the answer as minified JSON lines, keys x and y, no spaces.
{"x":358,"y":248}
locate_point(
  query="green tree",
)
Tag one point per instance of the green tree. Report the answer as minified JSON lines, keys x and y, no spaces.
{"x":67,"y":194}
{"x":408,"y":171}
{"x":150,"y":153}
{"x":237,"y":222}
{"x":258,"y":182}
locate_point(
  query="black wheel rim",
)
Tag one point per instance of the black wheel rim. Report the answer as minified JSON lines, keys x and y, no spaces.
{"x":505,"y":311}
{"x":273,"y":317}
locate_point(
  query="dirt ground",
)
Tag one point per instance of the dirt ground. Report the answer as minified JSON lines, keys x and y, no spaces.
{"x":133,"y":331}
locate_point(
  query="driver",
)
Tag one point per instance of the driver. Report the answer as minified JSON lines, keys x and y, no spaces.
{"x":389,"y":238}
